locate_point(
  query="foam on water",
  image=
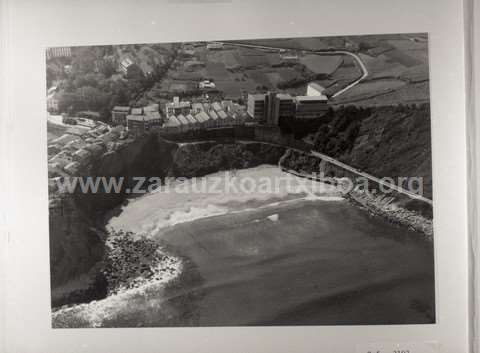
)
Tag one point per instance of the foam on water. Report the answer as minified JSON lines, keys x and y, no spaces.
{"x":95,"y":313}
{"x":166,"y":207}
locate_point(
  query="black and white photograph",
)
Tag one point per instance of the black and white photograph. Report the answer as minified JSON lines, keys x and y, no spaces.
{"x":257,"y":182}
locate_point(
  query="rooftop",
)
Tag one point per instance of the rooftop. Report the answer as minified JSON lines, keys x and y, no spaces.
{"x":136,"y":117}
{"x":202,"y":117}
{"x":172,"y":121}
{"x":120,"y":108}
{"x":191,"y":119}
{"x":256,"y":96}
{"x":136,"y":111}
{"x":284,"y":96}
{"x":321,"y":98}
{"x":182,"y":119}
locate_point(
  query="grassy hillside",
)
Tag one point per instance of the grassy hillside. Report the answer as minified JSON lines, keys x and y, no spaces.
{"x":390,"y":141}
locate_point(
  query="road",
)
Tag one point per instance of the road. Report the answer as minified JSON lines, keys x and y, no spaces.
{"x":371,"y":177}
{"x":350,"y":169}
{"x":357,"y":59}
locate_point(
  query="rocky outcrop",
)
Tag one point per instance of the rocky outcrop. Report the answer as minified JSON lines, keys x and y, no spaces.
{"x":198,"y":159}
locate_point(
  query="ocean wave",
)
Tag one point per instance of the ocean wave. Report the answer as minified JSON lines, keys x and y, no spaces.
{"x":96,"y":313}
{"x":162,"y":209}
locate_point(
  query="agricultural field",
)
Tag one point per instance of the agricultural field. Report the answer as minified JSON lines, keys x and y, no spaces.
{"x":368,"y":89}
{"x":392,"y":61}
{"x":406,"y":94}
{"x":322,"y":64}
{"x":228,"y":58}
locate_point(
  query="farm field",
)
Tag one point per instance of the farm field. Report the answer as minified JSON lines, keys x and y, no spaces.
{"x":367,"y":89}
{"x":407,"y":94}
{"x":392,"y":62}
{"x":322,"y":64}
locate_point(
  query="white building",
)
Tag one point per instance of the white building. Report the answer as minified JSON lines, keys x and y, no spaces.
{"x":315,"y":90}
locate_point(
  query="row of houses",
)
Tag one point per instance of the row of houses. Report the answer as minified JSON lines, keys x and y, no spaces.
{"x":70,"y":154}
{"x":137,"y":120}
{"x":185,"y":116}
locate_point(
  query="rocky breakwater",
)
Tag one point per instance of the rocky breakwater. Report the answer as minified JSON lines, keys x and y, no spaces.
{"x":395,"y":209}
{"x":399,"y":209}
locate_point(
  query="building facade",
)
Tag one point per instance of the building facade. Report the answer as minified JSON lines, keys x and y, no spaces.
{"x":268,"y":108}
{"x":310,"y":107}
{"x":177,"y":107}
{"x":119,"y":115}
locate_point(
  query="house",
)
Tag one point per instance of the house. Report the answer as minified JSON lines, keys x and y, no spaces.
{"x":136,"y":124}
{"x":81,"y":155}
{"x":151,"y":108}
{"x":61,"y":159}
{"x":153,"y":119}
{"x":96,"y":149}
{"x":125,"y":64}
{"x":136,"y":111}
{"x":315,"y":90}
{"x":52,"y":102}
{"x":64,"y":139}
{"x":214,"y":46}
{"x":214,"y":117}
{"x":72,"y":168}
{"x":177,"y":107}
{"x":193,"y":123}
{"x":172,"y":124}
{"x":206,"y":84}
{"x":197,"y":108}
{"x":216,"y":106}
{"x":183,"y":120}
{"x":204,"y":119}
{"x":119,"y":115}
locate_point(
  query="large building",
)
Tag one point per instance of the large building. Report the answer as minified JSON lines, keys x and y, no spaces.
{"x":270,"y":107}
{"x":310,"y":107}
{"x":256,"y":108}
{"x":283,"y":107}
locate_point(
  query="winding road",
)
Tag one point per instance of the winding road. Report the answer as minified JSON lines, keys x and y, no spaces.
{"x":357,"y":59}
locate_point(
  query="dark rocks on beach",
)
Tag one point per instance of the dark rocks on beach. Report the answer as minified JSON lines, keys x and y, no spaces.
{"x":128,"y":258}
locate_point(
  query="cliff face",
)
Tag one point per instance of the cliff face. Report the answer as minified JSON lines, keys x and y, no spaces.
{"x":383,"y":141}
{"x":395,"y":143}
{"x":76,"y":220}
{"x":199,"y":159}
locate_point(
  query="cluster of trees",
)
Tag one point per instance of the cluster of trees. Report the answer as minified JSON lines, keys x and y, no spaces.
{"x":92,"y":84}
{"x":338,"y":135}
{"x":301,"y":81}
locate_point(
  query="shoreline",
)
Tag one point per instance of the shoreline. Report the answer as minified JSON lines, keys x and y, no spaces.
{"x":149,"y":271}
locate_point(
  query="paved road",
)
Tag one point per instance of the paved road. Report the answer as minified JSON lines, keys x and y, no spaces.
{"x":357,"y":59}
